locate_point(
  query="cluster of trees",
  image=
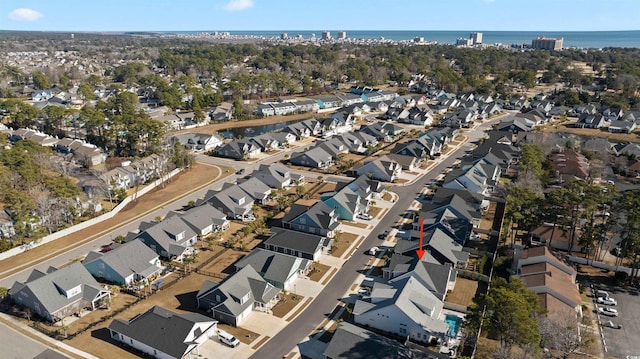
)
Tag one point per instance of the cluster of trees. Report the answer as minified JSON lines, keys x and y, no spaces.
{"x":35,"y":190}
{"x":513,"y":315}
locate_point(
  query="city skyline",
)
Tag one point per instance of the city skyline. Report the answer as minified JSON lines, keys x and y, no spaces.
{"x":264,"y":15}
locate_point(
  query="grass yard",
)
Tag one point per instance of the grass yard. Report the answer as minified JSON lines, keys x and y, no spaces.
{"x":318,"y":271}
{"x":341,"y":243}
{"x":464,"y":292}
{"x":286,"y":304}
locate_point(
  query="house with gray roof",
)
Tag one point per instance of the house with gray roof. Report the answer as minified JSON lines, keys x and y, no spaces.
{"x":354,"y":144}
{"x":275,"y":175}
{"x":334,"y":147}
{"x":353,"y":342}
{"x":171,"y":238}
{"x":315,"y":157}
{"x":59,"y":293}
{"x":239,"y":150}
{"x":197,"y":142}
{"x":348,"y":202}
{"x":161,"y":333}
{"x":298,"y":129}
{"x":382,"y":168}
{"x":296,"y":243}
{"x":318,"y":219}
{"x":231,"y":200}
{"x":233,"y":300}
{"x":622,"y":126}
{"x":437,"y":278}
{"x":440,"y":247}
{"x":203,"y":219}
{"x":256,"y":189}
{"x":265,"y":142}
{"x":405,"y":307}
{"x":516,"y":124}
{"x":126,"y":264}
{"x":282,"y":138}
{"x":627,"y":149}
{"x":281,"y":270}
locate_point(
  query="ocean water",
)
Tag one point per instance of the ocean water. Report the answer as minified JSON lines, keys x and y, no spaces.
{"x":578,"y":39}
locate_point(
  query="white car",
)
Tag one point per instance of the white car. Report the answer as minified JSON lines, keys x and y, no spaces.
{"x":606,"y":301}
{"x":608,"y":311}
{"x":365,"y":216}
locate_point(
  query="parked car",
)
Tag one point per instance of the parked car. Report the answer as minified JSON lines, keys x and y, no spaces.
{"x":240,"y":171}
{"x":228,"y":339}
{"x":608,"y":311}
{"x":610,"y":324}
{"x":365,"y":216}
{"x":383,"y":235}
{"x":606,"y":301}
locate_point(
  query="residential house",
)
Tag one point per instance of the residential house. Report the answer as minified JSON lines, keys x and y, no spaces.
{"x":231,"y":200}
{"x":516,"y":124}
{"x":622,"y":126}
{"x":118,"y":178}
{"x":283,"y":139}
{"x":587,"y":120}
{"x":171,"y":238}
{"x":347,"y":202}
{"x":438,"y":278}
{"x":298,"y":244}
{"x":265,"y":142}
{"x":477,"y":177}
{"x":316,"y":157}
{"x":125,"y":264}
{"x":440,"y":245}
{"x":557,"y":237}
{"x":239,"y":150}
{"x":612,"y":113}
{"x":382,"y":169}
{"x":317,"y":219}
{"x":335,"y":147}
{"x":407,"y":163}
{"x":627,"y":149}
{"x":453,"y":213}
{"x":283,"y":108}
{"x":59,"y":293}
{"x":233,"y":300}
{"x":280,"y":270}
{"x":197,"y":142}
{"x":307,"y":106}
{"x":314,"y":126}
{"x":266,"y":110}
{"x":353,"y":342}
{"x":349,"y":99}
{"x":223,"y":112}
{"x":161,"y":333}
{"x":275,"y":175}
{"x":329,"y":101}
{"x":7,"y":228}
{"x":404,"y":308}
{"x":256,"y":189}
{"x":203,"y":219}
{"x":353,"y":143}
{"x":297,"y":129}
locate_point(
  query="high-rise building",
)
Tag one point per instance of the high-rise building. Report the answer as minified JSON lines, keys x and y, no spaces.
{"x":547,"y":43}
{"x":476,"y":38}
{"x":284,"y":36}
{"x":342,"y":35}
{"x":326,"y":35}
{"x":464,"y":42}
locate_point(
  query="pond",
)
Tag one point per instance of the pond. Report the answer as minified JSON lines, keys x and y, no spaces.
{"x":255,"y":130}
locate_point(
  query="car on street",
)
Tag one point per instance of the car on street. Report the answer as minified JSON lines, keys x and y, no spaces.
{"x":608,"y":311}
{"x":240,"y":171}
{"x":610,"y":324}
{"x":606,"y":301}
{"x":383,"y":235}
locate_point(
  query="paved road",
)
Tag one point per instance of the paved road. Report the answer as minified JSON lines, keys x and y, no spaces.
{"x":282,"y":343}
{"x":15,"y":345}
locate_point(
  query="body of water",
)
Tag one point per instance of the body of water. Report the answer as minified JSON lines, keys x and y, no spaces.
{"x":238,"y":132}
{"x":579,"y":39}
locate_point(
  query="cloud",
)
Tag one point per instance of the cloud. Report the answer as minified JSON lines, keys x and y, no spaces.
{"x":238,"y":5}
{"x":24,"y":14}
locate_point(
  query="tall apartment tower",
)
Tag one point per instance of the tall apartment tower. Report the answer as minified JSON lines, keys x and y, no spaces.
{"x":547,"y":43}
{"x":476,"y":38}
{"x":326,"y":35}
{"x":342,"y":35}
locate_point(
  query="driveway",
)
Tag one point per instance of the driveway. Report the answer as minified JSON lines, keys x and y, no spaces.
{"x":622,"y":343}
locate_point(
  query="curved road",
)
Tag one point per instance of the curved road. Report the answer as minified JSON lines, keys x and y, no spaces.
{"x":322,"y":306}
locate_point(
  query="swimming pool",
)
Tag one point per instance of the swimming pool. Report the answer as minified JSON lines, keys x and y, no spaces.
{"x":454,"y":325}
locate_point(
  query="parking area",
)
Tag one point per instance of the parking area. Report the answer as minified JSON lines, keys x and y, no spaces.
{"x":622,"y":342}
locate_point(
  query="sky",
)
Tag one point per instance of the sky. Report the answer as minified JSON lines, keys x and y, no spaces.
{"x":235,"y":15}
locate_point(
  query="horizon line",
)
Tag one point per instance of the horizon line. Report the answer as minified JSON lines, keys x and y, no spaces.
{"x":310,"y":30}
